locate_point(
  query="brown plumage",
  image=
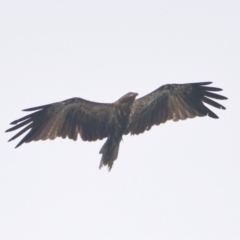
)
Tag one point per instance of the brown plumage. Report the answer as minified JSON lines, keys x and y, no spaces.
{"x":93,"y":121}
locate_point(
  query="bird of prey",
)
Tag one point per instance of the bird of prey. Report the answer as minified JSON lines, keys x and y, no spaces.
{"x":93,"y":121}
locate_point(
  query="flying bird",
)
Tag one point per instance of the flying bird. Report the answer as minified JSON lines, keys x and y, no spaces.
{"x":93,"y":121}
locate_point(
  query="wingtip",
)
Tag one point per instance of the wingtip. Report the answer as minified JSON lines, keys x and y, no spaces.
{"x":14,"y":122}
{"x":10,"y":129}
{"x":36,"y":108}
{"x":202,"y":83}
{"x":18,"y":145}
{"x":213,"y":115}
{"x":26,"y":110}
{"x":206,"y":83}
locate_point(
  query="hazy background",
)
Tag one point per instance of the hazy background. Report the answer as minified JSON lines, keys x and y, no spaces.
{"x":177,"y":181}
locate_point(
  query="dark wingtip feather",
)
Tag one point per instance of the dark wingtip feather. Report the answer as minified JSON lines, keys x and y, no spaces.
{"x":211,"y":114}
{"x":14,"y":122}
{"x":212,"y":103}
{"x":214,"y":89}
{"x":15,"y":136}
{"x":19,"y":144}
{"x":214,"y":95}
{"x":202,"y":83}
{"x":32,"y":109}
{"x":13,"y":139}
{"x":10,"y":129}
{"x":224,"y":98}
{"x":36,"y":108}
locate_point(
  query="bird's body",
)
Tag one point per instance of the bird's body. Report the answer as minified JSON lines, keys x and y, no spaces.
{"x":93,"y":121}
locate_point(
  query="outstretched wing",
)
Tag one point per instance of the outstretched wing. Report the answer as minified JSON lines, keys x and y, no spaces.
{"x":66,"y":119}
{"x":173,"y":102}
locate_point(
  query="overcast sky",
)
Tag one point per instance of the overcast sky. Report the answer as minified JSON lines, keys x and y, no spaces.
{"x":177,"y":181}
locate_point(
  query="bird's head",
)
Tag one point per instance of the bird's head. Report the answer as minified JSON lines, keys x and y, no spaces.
{"x":128,"y":98}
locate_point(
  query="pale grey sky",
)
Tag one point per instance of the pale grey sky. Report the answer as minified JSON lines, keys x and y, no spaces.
{"x":177,"y":181}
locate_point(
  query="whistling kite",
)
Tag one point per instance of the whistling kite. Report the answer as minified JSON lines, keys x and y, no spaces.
{"x":93,"y":121}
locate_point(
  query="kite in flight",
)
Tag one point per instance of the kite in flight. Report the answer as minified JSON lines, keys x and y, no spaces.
{"x":93,"y":121}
